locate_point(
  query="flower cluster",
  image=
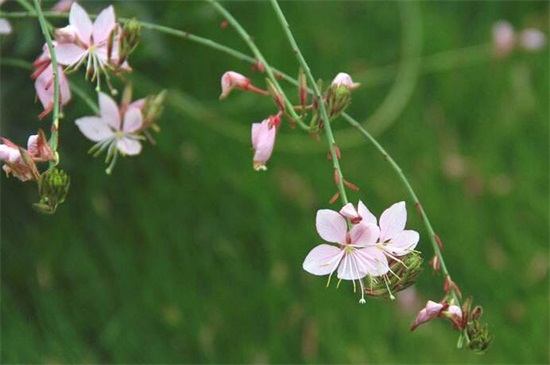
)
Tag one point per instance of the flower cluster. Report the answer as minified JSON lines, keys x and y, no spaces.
{"x":364,"y":250}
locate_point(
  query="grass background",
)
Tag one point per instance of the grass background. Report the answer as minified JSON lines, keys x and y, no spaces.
{"x":186,"y":255}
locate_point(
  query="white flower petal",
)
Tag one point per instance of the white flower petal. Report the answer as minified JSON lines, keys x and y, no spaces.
{"x":79,"y":19}
{"x":132,"y":120}
{"x":364,"y":234}
{"x":94,"y":128}
{"x":365,"y":213}
{"x":374,"y":261}
{"x":5,"y":27}
{"x":402,"y":243}
{"x":69,"y":54}
{"x":322,"y":260}
{"x":129,"y":146}
{"x":109,"y":111}
{"x":349,"y":211}
{"x":331,"y":226}
{"x":350,"y":268}
{"x":104,"y":25}
{"x":393,"y":221}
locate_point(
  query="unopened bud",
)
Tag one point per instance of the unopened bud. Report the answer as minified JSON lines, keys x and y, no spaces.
{"x":53,"y":188}
{"x":129,"y":38}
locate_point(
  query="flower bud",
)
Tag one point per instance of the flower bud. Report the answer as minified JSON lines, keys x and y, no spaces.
{"x":263,"y":140}
{"x":129,"y":38}
{"x":339,"y":93}
{"x":231,"y":80}
{"x":53,"y":187}
{"x":406,"y":270}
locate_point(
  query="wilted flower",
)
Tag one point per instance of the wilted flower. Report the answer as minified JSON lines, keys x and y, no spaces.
{"x":44,"y":82}
{"x":263,"y":140}
{"x":356,"y":256}
{"x":532,"y":39}
{"x":434,"y":310}
{"x":231,"y":80}
{"x":20,"y":162}
{"x":114,"y":130}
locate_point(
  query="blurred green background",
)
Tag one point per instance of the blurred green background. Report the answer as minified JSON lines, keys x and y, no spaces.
{"x":186,"y":255}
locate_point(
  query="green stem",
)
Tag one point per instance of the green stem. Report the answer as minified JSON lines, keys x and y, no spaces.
{"x":318,"y":98}
{"x":410,"y":190}
{"x":54,"y":138}
{"x":260,"y":58}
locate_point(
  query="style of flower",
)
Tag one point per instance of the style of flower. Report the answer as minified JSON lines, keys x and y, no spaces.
{"x":263,"y":140}
{"x":20,"y":162}
{"x":434,"y":310}
{"x":356,"y":256}
{"x":233,"y":80}
{"x":115,"y":129}
{"x":343,"y":79}
{"x":44,"y":83}
{"x":91,"y":43}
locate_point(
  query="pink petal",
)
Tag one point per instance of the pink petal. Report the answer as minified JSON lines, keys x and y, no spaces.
{"x":322,"y":260}
{"x":428,"y":313}
{"x":331,"y":226}
{"x":364,"y":234}
{"x":132,"y":120}
{"x":69,"y":53}
{"x":367,"y":216}
{"x":402,"y":243}
{"x":9,"y":154}
{"x":350,"y":268}
{"x":94,"y":128}
{"x":104,"y":25}
{"x":392,"y":221}
{"x":109,"y":111}
{"x":129,"y":146}
{"x":263,"y":142}
{"x":374,"y":261}
{"x":349,"y":211}
{"x":79,"y":19}
{"x":64,"y":89}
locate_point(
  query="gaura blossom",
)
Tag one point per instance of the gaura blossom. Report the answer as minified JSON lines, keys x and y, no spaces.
{"x":91,"y":43}
{"x":343,"y":79}
{"x":356,"y":255}
{"x":433,"y":310}
{"x":62,"y":6}
{"x":394,"y":240}
{"x":233,"y":80}
{"x":115,"y":129}
{"x":44,"y":83}
{"x":263,"y":140}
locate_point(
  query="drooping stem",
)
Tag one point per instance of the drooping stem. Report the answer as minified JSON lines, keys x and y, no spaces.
{"x":54,"y":138}
{"x":318,"y":98}
{"x":261,"y":59}
{"x":424,"y":217}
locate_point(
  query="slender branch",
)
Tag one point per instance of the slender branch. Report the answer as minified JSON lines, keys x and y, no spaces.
{"x":260,"y":58}
{"x":54,"y":138}
{"x":410,"y":190}
{"x":318,"y":97}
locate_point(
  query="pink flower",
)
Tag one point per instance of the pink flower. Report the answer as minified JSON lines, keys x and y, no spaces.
{"x":233,"y":80}
{"x":394,"y":239}
{"x":434,"y":310}
{"x":532,"y":39}
{"x":62,"y":6}
{"x":504,"y":38}
{"x":343,"y":79}
{"x":85,"y":42}
{"x":113,"y":129}
{"x":263,"y":140}
{"x":44,"y":82}
{"x":356,"y":255}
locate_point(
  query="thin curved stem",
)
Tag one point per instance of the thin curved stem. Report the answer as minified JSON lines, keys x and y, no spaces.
{"x":423,"y":216}
{"x":318,"y":97}
{"x":54,"y":138}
